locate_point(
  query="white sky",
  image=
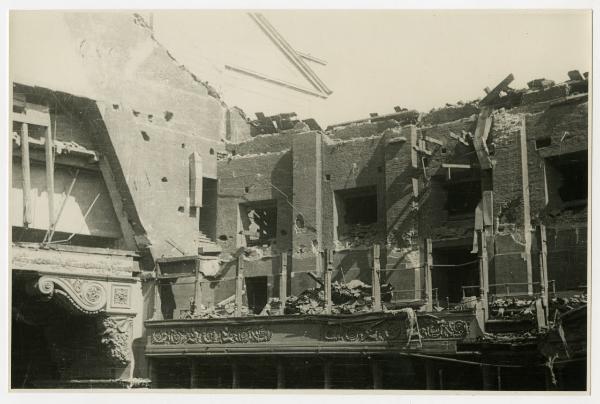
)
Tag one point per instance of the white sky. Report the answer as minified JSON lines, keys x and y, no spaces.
{"x":415,"y":59}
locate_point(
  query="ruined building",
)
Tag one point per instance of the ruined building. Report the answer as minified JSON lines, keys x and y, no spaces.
{"x":189,"y":247}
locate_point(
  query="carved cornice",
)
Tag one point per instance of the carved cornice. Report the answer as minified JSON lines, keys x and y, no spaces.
{"x":72,"y":263}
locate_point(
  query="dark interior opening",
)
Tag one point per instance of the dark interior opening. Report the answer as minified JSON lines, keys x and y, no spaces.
{"x":208,"y":211}
{"x":462,"y":196}
{"x":257,"y":293}
{"x":304,"y":373}
{"x":359,"y":207}
{"x":356,"y":214}
{"x":260,"y":223}
{"x":172,"y":374}
{"x":462,"y":270}
{"x":566,"y":177}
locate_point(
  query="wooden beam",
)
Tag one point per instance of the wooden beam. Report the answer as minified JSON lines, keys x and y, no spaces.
{"x":157,"y":314}
{"x":484,"y":124}
{"x":32,"y":117}
{"x":495,"y":93}
{"x":235,"y":375}
{"x":544,"y":266}
{"x":280,"y":374}
{"x":483,"y":272}
{"x":195,"y":180}
{"x":50,"y":175}
{"x":194,"y":374}
{"x":428,"y":275}
{"x":312,"y":58}
{"x":526,"y":203}
{"x":327,"y":281}
{"x":62,"y":207}
{"x":117,"y":202}
{"x":197,"y":285}
{"x":271,"y":80}
{"x":449,"y":165}
{"x":376,"y":374}
{"x":239,"y":286}
{"x":327,"y":374}
{"x":283,"y":282}
{"x":25,"y":166}
{"x":430,"y":376}
{"x":376,"y":285}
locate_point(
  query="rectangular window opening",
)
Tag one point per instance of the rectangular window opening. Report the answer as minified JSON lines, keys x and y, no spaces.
{"x":567,"y":178}
{"x":356,"y":216}
{"x":463,"y":193}
{"x":208,"y":211}
{"x":259,"y":221}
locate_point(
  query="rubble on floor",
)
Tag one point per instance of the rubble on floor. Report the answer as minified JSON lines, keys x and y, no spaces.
{"x":347,"y":298}
{"x":561,"y":305}
{"x":357,"y":236}
{"x":513,"y":308}
{"x":512,"y":337}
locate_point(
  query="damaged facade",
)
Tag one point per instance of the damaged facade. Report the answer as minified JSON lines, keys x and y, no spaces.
{"x":440,"y":250}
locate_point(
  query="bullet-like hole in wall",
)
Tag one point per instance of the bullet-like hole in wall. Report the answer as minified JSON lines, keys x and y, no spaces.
{"x":328,"y":177}
{"x":223,"y":237}
{"x":150,"y":116}
{"x":164,"y":179}
{"x":168,"y":115}
{"x":135,"y":113}
{"x":115,"y":106}
{"x":181,"y":209}
{"x":300,"y":221}
{"x":183,"y":145}
{"x":211,"y":151}
{"x":247,"y":189}
{"x":145,"y":136}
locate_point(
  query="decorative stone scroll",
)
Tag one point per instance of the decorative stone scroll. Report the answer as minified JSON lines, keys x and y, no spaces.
{"x":84,"y":295}
{"x":381,"y":332}
{"x":212,"y":335}
{"x":437,"y":328}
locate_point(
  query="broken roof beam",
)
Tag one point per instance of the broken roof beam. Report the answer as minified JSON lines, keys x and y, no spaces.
{"x":271,"y":80}
{"x":484,"y":124}
{"x":494,"y":94}
{"x":289,"y":52}
{"x":312,"y":58}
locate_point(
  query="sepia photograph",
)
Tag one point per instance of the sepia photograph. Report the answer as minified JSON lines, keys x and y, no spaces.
{"x":299,"y":200}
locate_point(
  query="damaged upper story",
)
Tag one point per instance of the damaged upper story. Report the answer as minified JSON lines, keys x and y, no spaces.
{"x":500,"y":166}
{"x":151,"y":122}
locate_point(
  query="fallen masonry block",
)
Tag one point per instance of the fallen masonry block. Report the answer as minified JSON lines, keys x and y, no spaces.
{"x":575,"y":75}
{"x":559,"y":91}
{"x":540,"y":84}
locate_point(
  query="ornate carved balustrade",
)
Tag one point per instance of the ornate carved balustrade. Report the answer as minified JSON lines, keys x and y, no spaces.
{"x":372,"y":332}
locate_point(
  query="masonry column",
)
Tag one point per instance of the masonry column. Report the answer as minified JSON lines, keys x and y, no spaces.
{"x":512,"y":231}
{"x":307,"y":185}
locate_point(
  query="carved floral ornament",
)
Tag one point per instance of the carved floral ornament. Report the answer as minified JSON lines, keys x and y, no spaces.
{"x":86,"y":296}
{"x":387,"y":331}
{"x":115,"y":335}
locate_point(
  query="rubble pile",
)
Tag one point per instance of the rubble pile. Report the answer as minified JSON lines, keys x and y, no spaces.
{"x":347,"y":298}
{"x":564,"y":304}
{"x":357,"y":236}
{"x":513,"y":308}
{"x":221,"y":310}
{"x":511,"y":337}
